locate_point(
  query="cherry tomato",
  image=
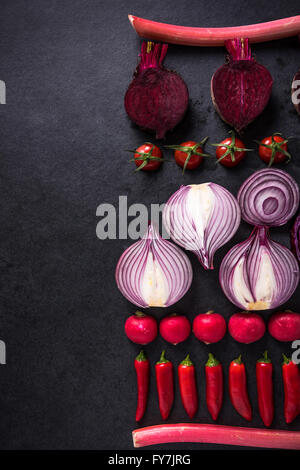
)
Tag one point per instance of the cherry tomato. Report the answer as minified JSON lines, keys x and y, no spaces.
{"x":231,"y":151}
{"x":148,"y":157}
{"x":189,"y":155}
{"x":273,"y":149}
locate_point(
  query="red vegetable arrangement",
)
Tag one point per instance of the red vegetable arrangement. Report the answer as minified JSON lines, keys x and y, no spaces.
{"x":241,"y":88}
{"x":157,"y":98}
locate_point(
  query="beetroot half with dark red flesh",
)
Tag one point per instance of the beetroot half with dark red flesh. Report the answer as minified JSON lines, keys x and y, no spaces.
{"x":157,"y":98}
{"x":241,"y":88}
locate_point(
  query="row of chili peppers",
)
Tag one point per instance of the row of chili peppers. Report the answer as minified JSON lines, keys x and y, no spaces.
{"x":214,"y":387}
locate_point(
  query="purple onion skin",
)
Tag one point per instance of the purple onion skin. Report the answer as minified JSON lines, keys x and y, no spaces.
{"x":241,"y":88}
{"x":295,"y":238}
{"x":157,"y":98}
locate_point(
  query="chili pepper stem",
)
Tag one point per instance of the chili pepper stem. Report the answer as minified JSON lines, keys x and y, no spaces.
{"x":238,"y":360}
{"x":212,"y":361}
{"x":141,"y":356}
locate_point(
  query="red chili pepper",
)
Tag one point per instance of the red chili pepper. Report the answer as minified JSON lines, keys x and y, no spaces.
{"x":187,"y":385}
{"x":165,"y":385}
{"x":142,"y":367}
{"x":264,"y":381}
{"x":238,"y":388}
{"x":214,"y":386}
{"x":291,"y":384}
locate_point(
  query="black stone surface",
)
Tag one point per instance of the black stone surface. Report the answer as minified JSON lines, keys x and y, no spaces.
{"x":69,"y":381}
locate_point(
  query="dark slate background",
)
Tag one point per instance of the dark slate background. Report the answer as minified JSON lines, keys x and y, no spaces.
{"x":69,"y":381}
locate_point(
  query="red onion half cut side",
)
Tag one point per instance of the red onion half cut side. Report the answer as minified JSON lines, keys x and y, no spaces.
{"x":268,"y":197}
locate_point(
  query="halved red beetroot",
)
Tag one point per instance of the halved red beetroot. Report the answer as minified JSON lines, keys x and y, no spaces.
{"x":157,"y":98}
{"x":246,"y":327}
{"x":241,"y":88}
{"x":285,"y":326}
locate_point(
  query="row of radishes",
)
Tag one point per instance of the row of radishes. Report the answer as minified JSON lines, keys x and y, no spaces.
{"x":210,"y":327}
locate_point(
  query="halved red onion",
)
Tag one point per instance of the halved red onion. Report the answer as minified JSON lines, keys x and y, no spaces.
{"x":259,"y":274}
{"x":268,"y":197}
{"x":153,"y":272}
{"x":201,"y":218}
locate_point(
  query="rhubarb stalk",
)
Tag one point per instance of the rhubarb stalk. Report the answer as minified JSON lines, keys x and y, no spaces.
{"x":190,"y":36}
{"x":216,"y":434}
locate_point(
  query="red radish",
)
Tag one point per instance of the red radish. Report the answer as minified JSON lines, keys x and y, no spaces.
{"x":141,"y":328}
{"x":285,"y":326}
{"x":246,"y":327}
{"x":209,"y":327}
{"x":175,"y":328}
{"x":241,"y":88}
{"x":157,"y":98}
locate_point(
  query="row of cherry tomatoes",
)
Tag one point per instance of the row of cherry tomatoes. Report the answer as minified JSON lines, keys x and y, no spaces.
{"x":189,"y":155}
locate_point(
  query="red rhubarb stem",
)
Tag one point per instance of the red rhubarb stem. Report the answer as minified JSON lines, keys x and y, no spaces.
{"x":190,"y":36}
{"x":216,"y":434}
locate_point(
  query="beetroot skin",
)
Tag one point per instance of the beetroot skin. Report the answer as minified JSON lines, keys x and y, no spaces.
{"x":175,"y":328}
{"x":246,"y":327}
{"x":285,"y":326}
{"x":241,"y":88}
{"x":141,"y":328}
{"x":157,"y":98}
{"x":209,"y":327}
